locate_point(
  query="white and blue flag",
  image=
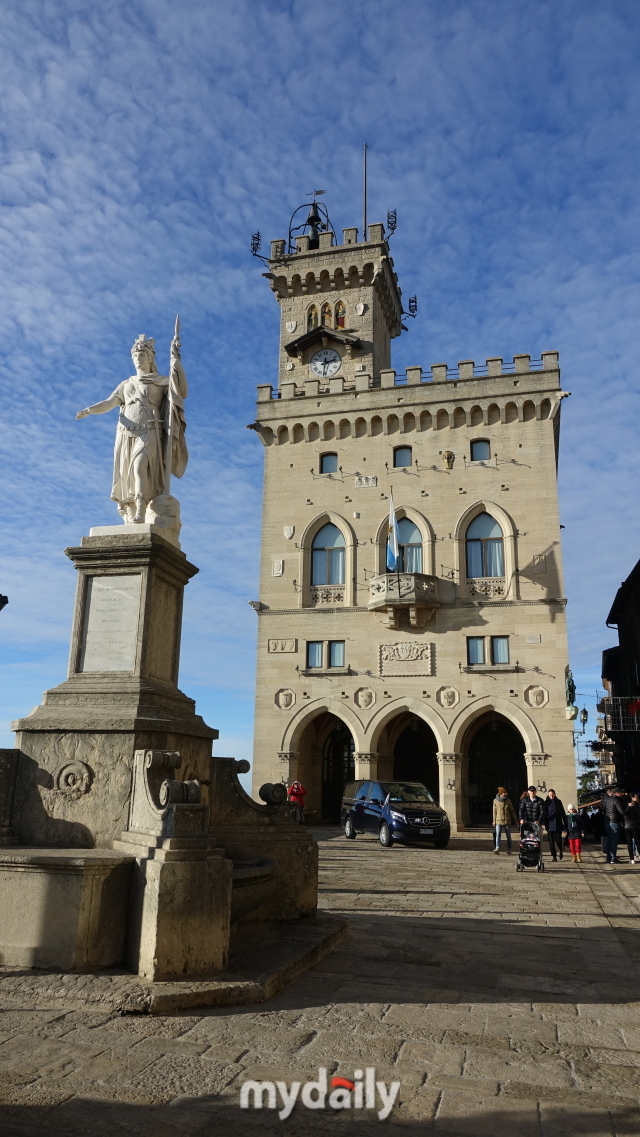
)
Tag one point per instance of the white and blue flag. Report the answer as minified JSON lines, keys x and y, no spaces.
{"x":393,"y":547}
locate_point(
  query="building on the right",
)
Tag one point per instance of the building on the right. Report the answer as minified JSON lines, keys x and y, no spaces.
{"x":620,"y":699}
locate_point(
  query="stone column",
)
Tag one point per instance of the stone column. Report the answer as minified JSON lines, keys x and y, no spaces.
{"x":366,"y":765}
{"x":288,"y":765}
{"x":536,"y":771}
{"x":450,"y":770}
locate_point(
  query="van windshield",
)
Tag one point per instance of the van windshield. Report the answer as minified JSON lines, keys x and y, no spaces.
{"x":407,"y":792}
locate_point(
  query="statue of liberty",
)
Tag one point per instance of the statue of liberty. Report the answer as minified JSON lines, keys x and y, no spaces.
{"x":150,"y":442}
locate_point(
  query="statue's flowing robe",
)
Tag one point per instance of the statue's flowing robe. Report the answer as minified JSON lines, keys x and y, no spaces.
{"x":142,"y":428}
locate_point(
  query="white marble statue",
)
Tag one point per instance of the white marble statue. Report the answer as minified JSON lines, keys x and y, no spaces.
{"x":143,"y":459}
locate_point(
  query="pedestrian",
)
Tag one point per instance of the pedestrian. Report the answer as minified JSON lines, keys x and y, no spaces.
{"x":554,"y":820}
{"x":504,"y":816}
{"x":575,"y":833}
{"x":530,"y":808}
{"x":296,"y":793}
{"x":632,"y":827}
{"x":613,"y":815}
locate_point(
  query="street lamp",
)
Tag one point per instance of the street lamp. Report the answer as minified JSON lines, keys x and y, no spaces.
{"x":584,"y":718}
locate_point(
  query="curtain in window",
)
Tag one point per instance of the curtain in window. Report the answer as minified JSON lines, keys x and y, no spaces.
{"x":412,"y":557}
{"x":327,"y":556}
{"x":500,"y":649}
{"x":494,"y":557}
{"x":475,"y":561}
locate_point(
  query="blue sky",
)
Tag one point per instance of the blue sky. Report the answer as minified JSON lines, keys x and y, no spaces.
{"x":142,"y":142}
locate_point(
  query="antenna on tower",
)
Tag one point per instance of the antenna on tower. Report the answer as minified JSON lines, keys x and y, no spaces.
{"x":364,"y":210}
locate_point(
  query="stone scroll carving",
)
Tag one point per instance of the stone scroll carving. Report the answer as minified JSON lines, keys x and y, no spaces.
{"x":74,"y":779}
{"x":406,"y":659}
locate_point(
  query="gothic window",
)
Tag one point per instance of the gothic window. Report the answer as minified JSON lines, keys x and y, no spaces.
{"x":328,"y":463}
{"x":341,"y":314}
{"x":326,"y":316}
{"x":484,"y":547}
{"x":312,"y":318}
{"x":410,"y":542}
{"x":480,"y":450}
{"x":402,"y":456}
{"x":327,"y":556}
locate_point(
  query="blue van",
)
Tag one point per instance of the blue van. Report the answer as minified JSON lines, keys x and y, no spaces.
{"x":394,"y":811}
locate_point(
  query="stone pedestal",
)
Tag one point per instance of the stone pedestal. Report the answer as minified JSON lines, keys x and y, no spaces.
{"x":63,"y":908}
{"x":74,"y":770}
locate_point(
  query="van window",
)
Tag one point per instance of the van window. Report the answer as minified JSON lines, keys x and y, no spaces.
{"x":363,"y":792}
{"x":350,"y":791}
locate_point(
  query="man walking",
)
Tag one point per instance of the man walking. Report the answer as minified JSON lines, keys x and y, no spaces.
{"x":530,"y":808}
{"x":554,"y":820}
{"x":504,"y":816}
{"x":613,"y":815}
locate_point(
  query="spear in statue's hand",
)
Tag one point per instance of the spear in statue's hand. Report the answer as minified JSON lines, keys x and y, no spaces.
{"x":173,"y":380}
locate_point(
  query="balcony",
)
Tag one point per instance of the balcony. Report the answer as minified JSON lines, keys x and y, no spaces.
{"x":489,"y":587}
{"x":392,"y":593}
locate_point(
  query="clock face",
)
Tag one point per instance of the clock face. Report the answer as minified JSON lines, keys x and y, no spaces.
{"x":325,"y":362}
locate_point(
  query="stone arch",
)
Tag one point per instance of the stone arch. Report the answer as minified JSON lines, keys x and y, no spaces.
{"x":297,"y":434}
{"x":304,"y":595}
{"x":354,"y":277}
{"x":325,"y":705}
{"x":360,"y":428}
{"x":476,"y":416}
{"x":545,"y":408}
{"x":528,"y":411}
{"x":393,"y":424}
{"x":344,"y":428}
{"x":392,"y":709}
{"x":408,"y":422}
{"x":296,"y":284}
{"x":323,"y":740}
{"x":428,"y":539}
{"x":328,"y":430}
{"x":459,"y":417}
{"x":368,"y":273}
{"x":493,"y":414}
{"x":426,"y":420}
{"x":509,"y":535}
{"x":267,"y":436}
{"x":313,"y":432}
{"x":281,"y":286}
{"x":442,"y":419}
{"x":514,"y":714}
{"x":325,"y":281}
{"x":376,"y":425}
{"x":511,"y":412}
{"x":283,"y":435}
{"x":338,"y":279}
{"x":310,"y":283}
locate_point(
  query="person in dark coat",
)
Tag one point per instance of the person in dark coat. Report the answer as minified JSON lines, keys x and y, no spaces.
{"x":613,"y":815}
{"x":632,"y":826}
{"x":530,"y":807}
{"x":554,"y":820}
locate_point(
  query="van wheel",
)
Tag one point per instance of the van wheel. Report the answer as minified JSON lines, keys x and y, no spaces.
{"x":349,"y":831}
{"x":386,"y":840}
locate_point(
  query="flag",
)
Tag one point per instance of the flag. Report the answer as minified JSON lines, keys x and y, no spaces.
{"x":393,"y":548}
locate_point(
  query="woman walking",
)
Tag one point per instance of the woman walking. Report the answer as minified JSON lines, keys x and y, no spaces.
{"x":632,"y":826}
{"x":575,"y":833}
{"x":554,"y":820}
{"x":504,"y":816}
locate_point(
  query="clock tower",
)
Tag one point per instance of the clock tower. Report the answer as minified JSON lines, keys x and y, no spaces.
{"x":450,"y":670}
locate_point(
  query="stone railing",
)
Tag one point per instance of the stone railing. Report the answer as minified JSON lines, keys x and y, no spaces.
{"x":326,"y":594}
{"x":405,"y":588}
{"x":489,"y":587}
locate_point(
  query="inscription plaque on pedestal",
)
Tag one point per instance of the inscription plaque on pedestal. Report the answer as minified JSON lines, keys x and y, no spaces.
{"x":110,"y":630}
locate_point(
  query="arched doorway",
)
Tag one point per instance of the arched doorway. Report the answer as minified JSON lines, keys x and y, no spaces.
{"x":415,"y":755}
{"x":338,"y":768}
{"x":496,"y":758}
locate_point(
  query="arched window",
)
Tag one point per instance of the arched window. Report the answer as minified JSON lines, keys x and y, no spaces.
{"x":341,"y":314}
{"x":326,"y":316}
{"x":485,"y":548}
{"x":327,"y":556}
{"x":328,"y":463}
{"x":402,"y":456}
{"x":480,"y":450}
{"x":312,"y":318}
{"x":410,"y":542}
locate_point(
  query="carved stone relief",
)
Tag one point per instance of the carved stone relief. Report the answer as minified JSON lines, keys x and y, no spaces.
{"x":282,"y":645}
{"x":291,"y":325}
{"x":536,"y":696}
{"x":406,"y":658}
{"x":365,"y":481}
{"x":447,"y":696}
{"x":288,"y":531}
{"x":285,"y":698}
{"x":277,"y":567}
{"x":364,"y":697}
{"x":74,"y":779}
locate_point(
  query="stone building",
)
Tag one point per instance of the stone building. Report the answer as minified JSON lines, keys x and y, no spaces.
{"x":451,"y":670}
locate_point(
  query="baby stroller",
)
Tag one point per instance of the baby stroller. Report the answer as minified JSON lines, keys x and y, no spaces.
{"x":530,"y":847}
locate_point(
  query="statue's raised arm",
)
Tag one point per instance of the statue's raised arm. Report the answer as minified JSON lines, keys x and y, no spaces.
{"x":150,"y":435}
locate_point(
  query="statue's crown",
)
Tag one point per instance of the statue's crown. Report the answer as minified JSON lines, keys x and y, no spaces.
{"x":142,"y":341}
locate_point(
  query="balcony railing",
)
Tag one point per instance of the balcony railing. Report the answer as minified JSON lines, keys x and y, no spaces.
{"x":405,"y":589}
{"x":489,"y":587}
{"x":326,"y":594}
{"x":620,"y":713}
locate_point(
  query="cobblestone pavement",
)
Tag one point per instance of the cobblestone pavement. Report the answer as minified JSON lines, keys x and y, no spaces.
{"x":504,"y":1004}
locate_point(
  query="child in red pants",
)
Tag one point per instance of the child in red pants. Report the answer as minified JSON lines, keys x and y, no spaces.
{"x":575,"y":833}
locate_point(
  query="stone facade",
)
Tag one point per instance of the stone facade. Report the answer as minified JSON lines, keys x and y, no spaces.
{"x":406,"y":653}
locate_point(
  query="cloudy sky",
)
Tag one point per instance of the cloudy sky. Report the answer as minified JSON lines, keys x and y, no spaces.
{"x":142,"y":142}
